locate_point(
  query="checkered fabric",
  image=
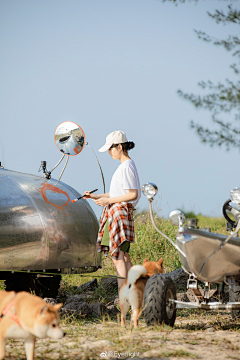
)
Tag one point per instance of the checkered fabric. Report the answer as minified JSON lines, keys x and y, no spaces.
{"x":121,"y":227}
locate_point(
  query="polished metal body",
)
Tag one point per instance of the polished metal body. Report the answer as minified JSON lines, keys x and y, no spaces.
{"x":40,"y":227}
{"x":198,"y":245}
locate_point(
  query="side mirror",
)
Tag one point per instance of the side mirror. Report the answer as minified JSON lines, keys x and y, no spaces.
{"x":177,"y":217}
{"x":69,"y":138}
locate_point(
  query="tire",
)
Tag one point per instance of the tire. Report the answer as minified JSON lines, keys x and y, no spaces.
{"x":47,"y":286}
{"x":234,"y":297}
{"x":18,"y":282}
{"x":157,"y":308}
{"x":40,"y":286}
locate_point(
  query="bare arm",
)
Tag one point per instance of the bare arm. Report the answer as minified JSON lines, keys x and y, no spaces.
{"x":106,"y":195}
{"x":93,"y":196}
{"x":130,"y":196}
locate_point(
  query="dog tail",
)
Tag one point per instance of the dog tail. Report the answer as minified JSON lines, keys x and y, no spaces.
{"x":135,"y":273}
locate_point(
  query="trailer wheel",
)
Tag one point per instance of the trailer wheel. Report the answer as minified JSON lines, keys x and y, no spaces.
{"x":234,"y":297}
{"x":40,"y":286}
{"x":18,"y":282}
{"x":156,"y":307}
{"x":47,"y":286}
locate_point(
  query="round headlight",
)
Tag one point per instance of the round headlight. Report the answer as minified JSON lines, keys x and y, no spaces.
{"x":177,"y":217}
{"x":149,"y":190}
{"x":235,"y":195}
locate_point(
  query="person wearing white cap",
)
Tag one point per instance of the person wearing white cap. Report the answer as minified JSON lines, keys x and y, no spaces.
{"x":116,"y":224}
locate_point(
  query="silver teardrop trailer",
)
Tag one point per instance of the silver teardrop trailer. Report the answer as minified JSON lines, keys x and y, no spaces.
{"x":211,"y":258}
{"x":43,"y":234}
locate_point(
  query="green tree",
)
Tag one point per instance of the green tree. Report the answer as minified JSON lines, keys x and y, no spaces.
{"x":223,"y":98}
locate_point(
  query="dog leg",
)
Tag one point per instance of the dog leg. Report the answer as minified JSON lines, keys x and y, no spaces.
{"x":2,"y":347}
{"x":124,"y":308}
{"x":135,"y":316}
{"x":29,"y":347}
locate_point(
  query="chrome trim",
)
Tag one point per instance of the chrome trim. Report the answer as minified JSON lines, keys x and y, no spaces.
{"x":204,"y":306}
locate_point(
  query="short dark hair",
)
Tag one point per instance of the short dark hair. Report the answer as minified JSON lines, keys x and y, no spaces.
{"x":125,"y":146}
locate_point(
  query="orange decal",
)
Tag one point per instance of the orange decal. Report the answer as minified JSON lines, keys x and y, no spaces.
{"x":53,"y":189}
{"x":77,"y":149}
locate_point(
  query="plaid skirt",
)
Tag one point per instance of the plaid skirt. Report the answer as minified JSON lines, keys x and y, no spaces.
{"x":120,"y":225}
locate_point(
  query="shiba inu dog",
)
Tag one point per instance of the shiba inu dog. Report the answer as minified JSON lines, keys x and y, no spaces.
{"x":25,"y":316}
{"x":132,"y":289}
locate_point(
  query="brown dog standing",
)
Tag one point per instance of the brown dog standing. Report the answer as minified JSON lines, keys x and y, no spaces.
{"x":132,"y":289}
{"x":153,"y":267}
{"x":27,"y":317}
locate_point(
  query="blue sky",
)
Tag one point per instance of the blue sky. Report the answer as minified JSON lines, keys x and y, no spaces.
{"x":114,"y":65}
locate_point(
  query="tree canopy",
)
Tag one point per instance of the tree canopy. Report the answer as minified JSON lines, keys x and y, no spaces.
{"x":223,"y":97}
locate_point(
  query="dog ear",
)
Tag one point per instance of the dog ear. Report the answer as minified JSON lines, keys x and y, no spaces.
{"x":44,"y":310}
{"x":145,"y":261}
{"x":57,"y":306}
{"x":160,"y":262}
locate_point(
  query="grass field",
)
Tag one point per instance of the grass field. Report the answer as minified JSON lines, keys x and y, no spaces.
{"x":150,"y":244}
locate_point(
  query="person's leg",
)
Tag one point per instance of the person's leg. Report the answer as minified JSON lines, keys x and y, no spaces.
{"x":121,"y":268}
{"x":127,"y":261}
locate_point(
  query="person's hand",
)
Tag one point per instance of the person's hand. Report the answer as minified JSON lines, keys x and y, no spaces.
{"x":87,"y":195}
{"x":102,"y":201}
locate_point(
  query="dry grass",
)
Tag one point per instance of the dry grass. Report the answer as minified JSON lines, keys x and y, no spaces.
{"x":198,"y":335}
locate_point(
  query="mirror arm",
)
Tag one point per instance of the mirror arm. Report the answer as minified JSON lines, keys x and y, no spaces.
{"x":99,"y":167}
{"x":57,"y":164}
{"x":47,"y":174}
{"x":62,"y":170}
{"x":160,"y":232}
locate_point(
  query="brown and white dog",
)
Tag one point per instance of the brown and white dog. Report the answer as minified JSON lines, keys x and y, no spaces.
{"x":132,"y":289}
{"x":26,"y":317}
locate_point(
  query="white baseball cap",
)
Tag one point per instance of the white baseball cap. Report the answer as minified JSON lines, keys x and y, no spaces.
{"x":116,"y":137}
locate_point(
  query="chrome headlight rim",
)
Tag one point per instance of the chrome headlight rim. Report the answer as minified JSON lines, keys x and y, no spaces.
{"x":149,"y":190}
{"x":177,"y":217}
{"x":235,"y":195}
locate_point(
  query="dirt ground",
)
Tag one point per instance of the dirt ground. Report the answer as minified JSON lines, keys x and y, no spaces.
{"x":196,"y":335}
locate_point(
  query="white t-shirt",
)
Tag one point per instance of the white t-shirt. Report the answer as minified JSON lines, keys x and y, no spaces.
{"x":124,"y":179}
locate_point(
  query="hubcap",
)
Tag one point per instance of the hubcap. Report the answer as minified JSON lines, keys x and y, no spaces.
{"x":170,"y":307}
